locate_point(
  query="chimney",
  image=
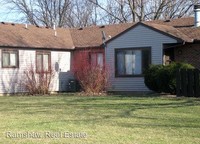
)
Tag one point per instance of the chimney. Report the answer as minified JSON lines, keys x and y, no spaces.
{"x":54,"y":26}
{"x":197,"y":15}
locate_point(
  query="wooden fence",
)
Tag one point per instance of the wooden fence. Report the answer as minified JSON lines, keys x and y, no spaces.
{"x":188,"y":83}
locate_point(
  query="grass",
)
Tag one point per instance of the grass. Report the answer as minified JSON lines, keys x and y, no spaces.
{"x":111,"y":119}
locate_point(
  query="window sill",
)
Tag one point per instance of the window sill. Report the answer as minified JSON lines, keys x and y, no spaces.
{"x":13,"y":67}
{"x":43,"y":72}
{"x":127,"y":76}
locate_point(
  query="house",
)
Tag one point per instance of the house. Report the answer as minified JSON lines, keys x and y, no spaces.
{"x":127,"y":48}
{"x":130,"y":53}
{"x":23,"y":46}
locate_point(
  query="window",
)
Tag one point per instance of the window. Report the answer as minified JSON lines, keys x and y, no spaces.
{"x":10,"y":59}
{"x":97,"y":59}
{"x":43,"y":60}
{"x":132,"y":62}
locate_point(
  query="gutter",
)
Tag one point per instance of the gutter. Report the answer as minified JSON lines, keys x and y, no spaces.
{"x":167,"y":46}
{"x":196,"y":41}
{"x":193,"y":41}
{"x":37,"y":48}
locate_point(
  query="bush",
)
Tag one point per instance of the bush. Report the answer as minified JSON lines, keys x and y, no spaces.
{"x":37,"y":82}
{"x":161,"y":78}
{"x":151,"y":76}
{"x":93,"y":79}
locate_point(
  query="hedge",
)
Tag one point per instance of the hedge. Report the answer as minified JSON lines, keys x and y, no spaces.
{"x":161,"y":78}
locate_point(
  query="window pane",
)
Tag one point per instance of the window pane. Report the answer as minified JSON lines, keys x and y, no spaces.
{"x":5,"y":59}
{"x":93,"y":59}
{"x":45,"y":62}
{"x":138,"y":62}
{"x":100,"y":59}
{"x":13,"y":58}
{"x":130,"y":62}
{"x":39,"y":62}
{"x":145,"y":59}
{"x":120,"y":63}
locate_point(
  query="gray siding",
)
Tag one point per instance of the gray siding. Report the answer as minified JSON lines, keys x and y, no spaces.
{"x":11,"y":79}
{"x":139,"y":36}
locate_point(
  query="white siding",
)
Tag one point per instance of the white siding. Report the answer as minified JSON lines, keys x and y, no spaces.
{"x":10,"y":79}
{"x":139,"y":36}
{"x":62,"y":59}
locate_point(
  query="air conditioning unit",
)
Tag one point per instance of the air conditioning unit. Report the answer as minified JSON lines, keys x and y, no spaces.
{"x":73,"y":85}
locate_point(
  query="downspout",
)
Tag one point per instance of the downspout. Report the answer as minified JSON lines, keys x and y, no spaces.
{"x":104,"y":46}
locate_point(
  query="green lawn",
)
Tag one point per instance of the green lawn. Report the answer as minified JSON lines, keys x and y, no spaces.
{"x":95,"y":120}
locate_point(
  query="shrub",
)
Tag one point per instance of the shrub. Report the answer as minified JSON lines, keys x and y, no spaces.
{"x":161,"y":78}
{"x":37,"y":82}
{"x":92,"y":79}
{"x":151,"y":77}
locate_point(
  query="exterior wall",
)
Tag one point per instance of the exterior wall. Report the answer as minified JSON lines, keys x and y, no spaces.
{"x":11,"y":78}
{"x":10,"y":81}
{"x":139,"y":36}
{"x":83,"y":54}
{"x":61,"y":60}
{"x":188,"y":54}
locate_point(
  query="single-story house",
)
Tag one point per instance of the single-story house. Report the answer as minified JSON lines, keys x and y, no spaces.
{"x":127,"y":48}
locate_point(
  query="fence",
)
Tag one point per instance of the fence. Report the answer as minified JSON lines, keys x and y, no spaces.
{"x":188,"y":82}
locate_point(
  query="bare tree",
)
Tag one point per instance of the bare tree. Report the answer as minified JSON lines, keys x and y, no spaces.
{"x":169,"y":9}
{"x":41,"y":12}
{"x":140,"y":10}
{"x":179,"y":8}
{"x":81,"y":13}
{"x":62,"y":13}
{"x":115,"y":11}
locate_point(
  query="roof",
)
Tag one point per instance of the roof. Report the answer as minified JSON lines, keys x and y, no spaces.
{"x":92,"y":36}
{"x":180,"y":22}
{"x":170,"y":31}
{"x":17,"y":35}
{"x":192,"y":32}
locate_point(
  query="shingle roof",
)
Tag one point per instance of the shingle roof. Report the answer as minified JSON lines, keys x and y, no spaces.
{"x":182,"y":28}
{"x":170,"y":30}
{"x":92,"y":36}
{"x":192,"y":32}
{"x":17,"y":35}
{"x":181,"y":22}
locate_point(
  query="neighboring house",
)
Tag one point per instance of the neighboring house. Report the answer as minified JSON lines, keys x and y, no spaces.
{"x":130,"y":53}
{"x":127,"y":49}
{"x":22,"y":47}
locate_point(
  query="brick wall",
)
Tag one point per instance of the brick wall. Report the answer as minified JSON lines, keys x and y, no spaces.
{"x":189,"y":54}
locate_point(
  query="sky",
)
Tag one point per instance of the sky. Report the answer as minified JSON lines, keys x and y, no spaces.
{"x":10,"y":16}
{"x":6,"y":15}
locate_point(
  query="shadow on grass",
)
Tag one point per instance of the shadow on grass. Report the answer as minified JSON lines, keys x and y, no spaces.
{"x":151,"y":125}
{"x":110,"y":103}
{"x":94,"y":110}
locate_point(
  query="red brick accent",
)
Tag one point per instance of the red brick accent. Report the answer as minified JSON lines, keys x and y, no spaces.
{"x":188,"y":54}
